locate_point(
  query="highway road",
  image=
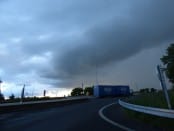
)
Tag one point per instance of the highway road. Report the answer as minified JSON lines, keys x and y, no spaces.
{"x":75,"y":117}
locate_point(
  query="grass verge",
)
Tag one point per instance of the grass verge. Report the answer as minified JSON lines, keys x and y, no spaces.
{"x":154,"y":100}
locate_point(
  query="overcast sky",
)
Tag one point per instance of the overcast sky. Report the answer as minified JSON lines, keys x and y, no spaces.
{"x":58,"y":43}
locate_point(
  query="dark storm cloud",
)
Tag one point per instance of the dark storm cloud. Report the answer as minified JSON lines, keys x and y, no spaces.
{"x":142,"y":25}
{"x":59,"y":39}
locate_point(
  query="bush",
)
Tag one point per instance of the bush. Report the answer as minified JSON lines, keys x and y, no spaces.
{"x":88,"y":91}
{"x":152,"y":90}
{"x":77,"y":91}
{"x":145,"y":90}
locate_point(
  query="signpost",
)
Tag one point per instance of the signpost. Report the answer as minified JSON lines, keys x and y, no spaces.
{"x":163,"y":84}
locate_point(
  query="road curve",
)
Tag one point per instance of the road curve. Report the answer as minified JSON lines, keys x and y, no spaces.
{"x":111,"y":121}
{"x":79,"y":117}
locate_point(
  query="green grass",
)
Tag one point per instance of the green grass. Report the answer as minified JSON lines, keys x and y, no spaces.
{"x":153,"y":100}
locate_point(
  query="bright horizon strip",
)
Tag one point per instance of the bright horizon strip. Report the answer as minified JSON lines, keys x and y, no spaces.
{"x":8,"y":89}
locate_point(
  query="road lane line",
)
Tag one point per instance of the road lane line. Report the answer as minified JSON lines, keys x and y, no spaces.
{"x":110,"y":121}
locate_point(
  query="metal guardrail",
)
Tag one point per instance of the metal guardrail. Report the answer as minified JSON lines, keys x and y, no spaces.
{"x":148,"y":110}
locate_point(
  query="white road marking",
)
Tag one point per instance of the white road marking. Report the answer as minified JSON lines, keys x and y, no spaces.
{"x":110,"y":121}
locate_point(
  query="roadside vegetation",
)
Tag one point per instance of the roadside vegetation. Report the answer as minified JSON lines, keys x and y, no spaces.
{"x":27,"y":99}
{"x":156,"y":99}
{"x":1,"y":98}
{"x":153,"y":99}
{"x":88,"y":91}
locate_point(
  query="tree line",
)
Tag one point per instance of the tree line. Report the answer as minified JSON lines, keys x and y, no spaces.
{"x":148,"y":90}
{"x":78,"y":91}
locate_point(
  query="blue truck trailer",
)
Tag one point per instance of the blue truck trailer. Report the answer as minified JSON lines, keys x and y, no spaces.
{"x":111,"y":90}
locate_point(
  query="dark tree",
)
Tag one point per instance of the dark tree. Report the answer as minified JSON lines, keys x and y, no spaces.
{"x":12,"y":97}
{"x":2,"y":97}
{"x":145,"y":90}
{"x":152,"y":90}
{"x":88,"y":90}
{"x":77,"y":91}
{"x":168,"y":60}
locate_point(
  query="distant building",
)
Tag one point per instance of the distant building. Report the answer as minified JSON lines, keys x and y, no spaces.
{"x":111,"y":90}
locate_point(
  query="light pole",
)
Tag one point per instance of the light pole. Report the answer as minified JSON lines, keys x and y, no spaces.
{"x":163,"y":84}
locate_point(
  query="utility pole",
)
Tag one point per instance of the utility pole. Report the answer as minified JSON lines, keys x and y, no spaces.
{"x":23,"y":93}
{"x":0,"y":85}
{"x":82,"y":85}
{"x":32,"y":92}
{"x":83,"y":88}
{"x":163,"y":84}
{"x":96,"y":69}
{"x":96,"y":75}
{"x":44,"y":93}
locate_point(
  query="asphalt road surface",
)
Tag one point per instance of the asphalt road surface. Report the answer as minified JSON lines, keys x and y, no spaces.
{"x":75,"y":117}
